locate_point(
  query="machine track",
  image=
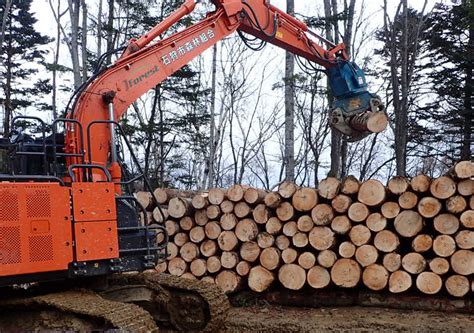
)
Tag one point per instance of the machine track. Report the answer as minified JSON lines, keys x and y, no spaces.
{"x":189,"y":304}
{"x":138,"y":302}
{"x":85,"y":304}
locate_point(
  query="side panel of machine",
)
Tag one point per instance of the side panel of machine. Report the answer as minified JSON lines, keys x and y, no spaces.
{"x":35,"y":228}
{"x":95,"y":221}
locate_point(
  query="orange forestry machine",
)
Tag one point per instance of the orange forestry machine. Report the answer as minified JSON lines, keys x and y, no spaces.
{"x":63,"y":214}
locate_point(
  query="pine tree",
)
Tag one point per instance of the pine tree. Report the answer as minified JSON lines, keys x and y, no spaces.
{"x":451,"y":42}
{"x":22,"y":57}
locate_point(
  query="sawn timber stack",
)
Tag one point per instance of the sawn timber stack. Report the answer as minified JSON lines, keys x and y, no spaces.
{"x":412,"y":234}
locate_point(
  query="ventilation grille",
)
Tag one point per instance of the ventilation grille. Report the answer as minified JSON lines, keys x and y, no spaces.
{"x":10,"y":245}
{"x":38,"y":203}
{"x":41,"y":248}
{"x":9,"y":205}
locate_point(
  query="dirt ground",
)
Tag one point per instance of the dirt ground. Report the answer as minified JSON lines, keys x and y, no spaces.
{"x":360,"y":319}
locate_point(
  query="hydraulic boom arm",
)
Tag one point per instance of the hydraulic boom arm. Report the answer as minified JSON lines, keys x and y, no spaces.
{"x":146,"y":63}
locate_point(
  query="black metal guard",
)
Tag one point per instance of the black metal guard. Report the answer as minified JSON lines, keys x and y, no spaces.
{"x":149,"y":249}
{"x":43,"y":145}
{"x":73,"y":122}
{"x":88,"y":167}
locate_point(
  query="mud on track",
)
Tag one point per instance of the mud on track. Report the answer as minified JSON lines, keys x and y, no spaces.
{"x":285,"y":319}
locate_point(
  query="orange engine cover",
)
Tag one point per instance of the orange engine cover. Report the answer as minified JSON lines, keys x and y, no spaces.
{"x":35,"y":228}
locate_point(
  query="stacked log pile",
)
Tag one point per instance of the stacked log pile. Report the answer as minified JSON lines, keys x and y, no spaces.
{"x":410,"y":234}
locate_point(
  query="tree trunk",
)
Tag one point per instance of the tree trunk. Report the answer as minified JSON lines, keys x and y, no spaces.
{"x":289,"y":157}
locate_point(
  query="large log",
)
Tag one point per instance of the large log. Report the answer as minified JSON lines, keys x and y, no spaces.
{"x":228,"y":281}
{"x":467,"y":219}
{"x":439,"y":266}
{"x":246,"y":230}
{"x":429,"y":283}
{"x":443,"y":187}
{"x":307,"y":260}
{"x":189,"y":252}
{"x":179,"y":207}
{"x":213,"y":264}
{"x":250,"y":251}
{"x":350,"y":185}
{"x":173,"y":250}
{"x":347,"y":250}
{"x":328,"y":188}
{"x":177,"y":266}
{"x":345,"y":273}
{"x":457,"y":285}
{"x":290,"y":228}
{"x":376,"y":222}
{"x":386,"y":241}
{"x":373,"y":122}
{"x":390,"y":209}
{"x":273,"y":226}
{"x":265,"y":240}
{"x":200,"y":200}
{"x":242,"y":209}
{"x":260,"y":279}
{"x":341,"y":225}
{"x":198,"y":267}
{"x":305,"y":199}
{"x":287,"y":189}
{"x":408,"y":200}
{"x":254,"y":196}
{"x":463,"y":170}
{"x":446,"y":224}
{"x":465,"y":239}
{"x":375,"y":277}
{"x":422,"y":243}
{"x":181,"y":238}
{"x":327,"y":258}
{"x":413,"y":263}
{"x":235,"y":193}
{"x":227,"y":241}
{"x":172,"y":227}
{"x":408,"y":223}
{"x":366,"y":255}
{"x":197,"y":235}
{"x":162,"y":267}
{"x":200,"y":217}
{"x":208,"y":248}
{"x":360,"y":235}
{"x":341,"y":203}
{"x":229,"y":259}
{"x":462,"y":262}
{"x":272,"y":199}
{"x":305,"y":223}
{"x":212,"y":230}
{"x":145,"y":199}
{"x":216,"y":196}
{"x":318,"y":277}
{"x":261,"y":214}
{"x":186,"y":223}
{"x":456,"y":204}
{"x":160,"y":214}
{"x":289,"y":255}
{"x":270,"y":258}
{"x":371,"y":193}
{"x":444,"y":245}
{"x":392,"y":261}
{"x":282,"y":242}
{"x":243,"y":268}
{"x":321,"y":238}
{"x":300,"y":240}
{"x":227,"y":206}
{"x":358,"y":212}
{"x":466,"y":187}
{"x":398,"y":185}
{"x":399,"y":281}
{"x":322,"y":214}
{"x":420,"y":183}
{"x":429,"y":207}
{"x":228,"y":221}
{"x":285,"y":211}
{"x":292,"y":276}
